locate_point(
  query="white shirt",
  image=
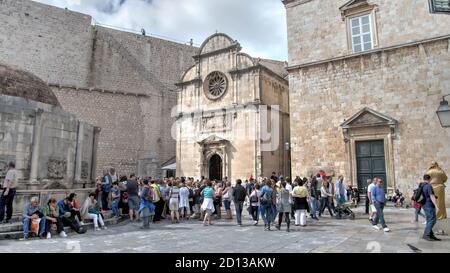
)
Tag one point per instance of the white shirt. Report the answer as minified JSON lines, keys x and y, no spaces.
{"x":10,"y":179}
{"x":289,"y":188}
{"x":370,"y":189}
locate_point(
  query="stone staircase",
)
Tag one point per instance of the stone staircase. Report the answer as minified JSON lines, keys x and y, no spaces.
{"x":14,"y":230}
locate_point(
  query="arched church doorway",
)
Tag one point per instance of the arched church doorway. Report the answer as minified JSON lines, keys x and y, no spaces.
{"x":215,"y":167}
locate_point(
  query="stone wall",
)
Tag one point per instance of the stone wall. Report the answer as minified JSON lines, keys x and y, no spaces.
{"x":65,"y":50}
{"x":406,"y":83}
{"x":53,"y":43}
{"x":316,"y":30}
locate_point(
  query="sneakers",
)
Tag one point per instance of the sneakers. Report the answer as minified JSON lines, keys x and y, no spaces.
{"x":434,"y":238}
{"x":386,"y":229}
{"x":255,"y":223}
{"x":97,"y":229}
{"x":277,"y":227}
{"x":82,"y":223}
{"x":375,"y":227}
{"x":104,"y":228}
{"x":63,"y":234}
{"x":49,"y":235}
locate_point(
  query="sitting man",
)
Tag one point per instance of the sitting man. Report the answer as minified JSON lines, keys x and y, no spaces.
{"x":67,"y":216}
{"x":32,"y":212}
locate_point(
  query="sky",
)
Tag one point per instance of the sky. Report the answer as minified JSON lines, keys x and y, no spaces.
{"x":258,"y":25}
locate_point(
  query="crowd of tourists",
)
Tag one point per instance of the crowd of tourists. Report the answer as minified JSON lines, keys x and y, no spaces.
{"x":271,"y":201}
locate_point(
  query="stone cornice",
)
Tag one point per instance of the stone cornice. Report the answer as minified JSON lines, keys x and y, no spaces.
{"x":258,"y":67}
{"x":196,"y":80}
{"x":92,"y":89}
{"x":293,"y":3}
{"x":228,"y":109}
{"x":365,"y":53}
{"x":235,"y":46}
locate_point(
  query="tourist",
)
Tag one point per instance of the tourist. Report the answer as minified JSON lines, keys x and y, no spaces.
{"x":67,"y":216}
{"x":51,"y":214}
{"x":379,"y":201}
{"x":239,"y":195}
{"x":185,"y":210}
{"x":372,"y":208}
{"x":254,"y":204}
{"x":300,"y":196}
{"x":208,"y":203}
{"x":325,"y":195}
{"x":349,"y":191}
{"x":340,"y":191}
{"x":274,"y":177}
{"x":133,"y":197}
{"x":284,"y":206}
{"x":191,"y":195}
{"x":90,"y":210}
{"x":32,"y":213}
{"x":266,"y":203}
{"x":9,"y":191}
{"x":106,"y":188}
{"x":312,"y":198}
{"x":174,"y":193}
{"x":355,"y":196}
{"x":197,"y":200}
{"x":115,"y":196}
{"x":203,"y":185}
{"x":218,"y":199}
{"x":226,"y":196}
{"x":113,"y":175}
{"x":398,"y":198}
{"x":146,"y":207}
{"x":431,"y":209}
{"x":75,"y":207}
{"x":158,"y":200}
{"x":99,"y":190}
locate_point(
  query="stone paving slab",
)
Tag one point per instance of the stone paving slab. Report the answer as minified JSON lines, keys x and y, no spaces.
{"x":325,"y":236}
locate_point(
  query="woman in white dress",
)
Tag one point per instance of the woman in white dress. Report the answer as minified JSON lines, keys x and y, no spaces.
{"x":174,"y":193}
{"x":208,"y":202}
{"x":185,"y":210}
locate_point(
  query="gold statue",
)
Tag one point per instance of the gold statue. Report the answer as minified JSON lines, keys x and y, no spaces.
{"x":438,"y":178}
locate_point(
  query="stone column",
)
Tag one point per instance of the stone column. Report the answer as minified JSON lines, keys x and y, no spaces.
{"x":38,"y":124}
{"x":79,"y":151}
{"x":94,"y":152}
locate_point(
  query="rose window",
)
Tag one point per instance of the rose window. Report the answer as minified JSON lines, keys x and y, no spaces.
{"x":215,"y":85}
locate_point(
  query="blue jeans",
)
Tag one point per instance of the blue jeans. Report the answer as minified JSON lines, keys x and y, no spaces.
{"x":26,"y":226}
{"x":266,"y":214}
{"x":227,"y":204}
{"x":418,"y":212}
{"x":313,"y":206}
{"x":430,"y":214}
{"x":380,"y":216}
{"x":115,"y":207}
{"x":239,"y":206}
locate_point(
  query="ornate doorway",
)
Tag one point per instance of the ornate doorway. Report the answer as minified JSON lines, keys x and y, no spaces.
{"x":215,"y":167}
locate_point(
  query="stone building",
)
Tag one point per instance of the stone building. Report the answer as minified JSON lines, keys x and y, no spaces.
{"x":52,"y":149}
{"x":119,"y":81}
{"x":365,"y":80}
{"x":232,"y":116}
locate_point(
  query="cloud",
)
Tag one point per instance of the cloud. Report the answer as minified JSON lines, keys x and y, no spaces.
{"x":259,"y":25}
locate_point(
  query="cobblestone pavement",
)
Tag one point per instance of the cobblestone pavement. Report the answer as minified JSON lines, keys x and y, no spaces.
{"x":326,"y":235}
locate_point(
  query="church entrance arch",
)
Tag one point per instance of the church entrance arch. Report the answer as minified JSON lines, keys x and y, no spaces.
{"x":215,"y":167}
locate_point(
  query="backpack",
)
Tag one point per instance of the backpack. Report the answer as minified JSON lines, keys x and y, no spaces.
{"x":253,"y":198}
{"x":418,"y":196}
{"x":266,"y":200}
{"x":191,"y":194}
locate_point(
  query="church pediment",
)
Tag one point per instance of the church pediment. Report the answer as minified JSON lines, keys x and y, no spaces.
{"x":368,"y":117}
{"x":212,"y":140}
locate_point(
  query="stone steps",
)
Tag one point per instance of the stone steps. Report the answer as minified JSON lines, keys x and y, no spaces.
{"x":15,"y":229}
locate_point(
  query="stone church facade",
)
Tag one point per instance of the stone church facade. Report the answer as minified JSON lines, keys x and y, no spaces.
{"x":366,"y":79}
{"x":232,"y":114}
{"x":120,"y":82}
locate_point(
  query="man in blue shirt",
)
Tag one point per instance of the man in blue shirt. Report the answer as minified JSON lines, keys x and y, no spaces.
{"x":379,"y":200}
{"x":430,"y":208}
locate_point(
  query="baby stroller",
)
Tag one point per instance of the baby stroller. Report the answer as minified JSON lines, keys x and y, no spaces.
{"x":343,"y":211}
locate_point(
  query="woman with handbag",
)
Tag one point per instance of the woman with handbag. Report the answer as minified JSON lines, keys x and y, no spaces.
{"x":90,"y":210}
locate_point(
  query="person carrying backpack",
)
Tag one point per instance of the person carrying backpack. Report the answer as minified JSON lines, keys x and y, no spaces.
{"x":430,"y":207}
{"x":146,"y":207}
{"x":417,"y":195}
{"x":266,"y":204}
